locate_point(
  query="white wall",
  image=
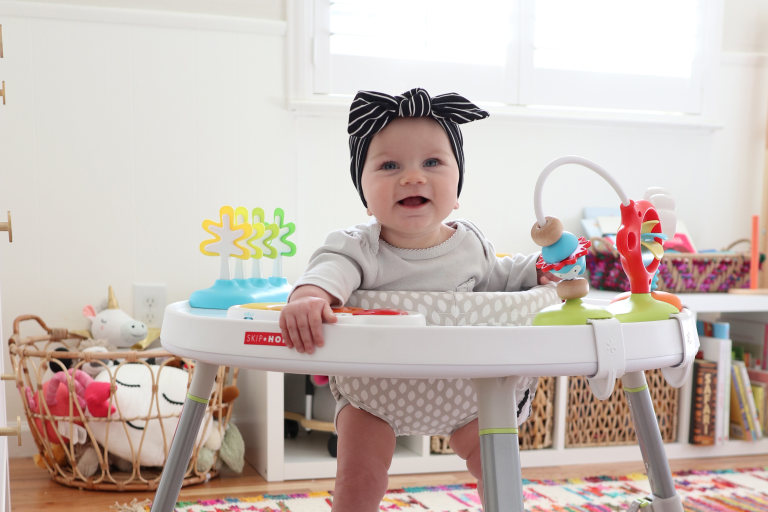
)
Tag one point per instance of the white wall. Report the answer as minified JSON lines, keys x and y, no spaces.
{"x":124,"y":131}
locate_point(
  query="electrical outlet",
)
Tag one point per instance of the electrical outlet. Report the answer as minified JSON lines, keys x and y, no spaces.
{"x":149,"y":303}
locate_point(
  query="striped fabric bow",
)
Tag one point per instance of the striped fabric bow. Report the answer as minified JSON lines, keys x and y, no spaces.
{"x":371,"y":111}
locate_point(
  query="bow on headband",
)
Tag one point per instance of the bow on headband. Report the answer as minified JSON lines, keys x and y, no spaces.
{"x":371,"y":111}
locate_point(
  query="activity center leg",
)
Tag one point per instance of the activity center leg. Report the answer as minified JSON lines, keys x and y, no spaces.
{"x":665,"y":498}
{"x":499,"y":448}
{"x":184,"y":439}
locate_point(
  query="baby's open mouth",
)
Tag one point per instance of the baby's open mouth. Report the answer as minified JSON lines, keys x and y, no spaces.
{"x":413,"y":201}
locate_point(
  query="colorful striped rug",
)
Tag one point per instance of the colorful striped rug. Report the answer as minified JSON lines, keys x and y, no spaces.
{"x":701,"y":491}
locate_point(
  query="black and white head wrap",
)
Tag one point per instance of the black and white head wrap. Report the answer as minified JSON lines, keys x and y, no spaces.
{"x":371,"y":111}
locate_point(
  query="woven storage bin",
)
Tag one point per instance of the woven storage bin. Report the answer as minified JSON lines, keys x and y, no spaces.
{"x":535,"y":432}
{"x":33,"y":358}
{"x":593,"y":422}
{"x":678,"y":272}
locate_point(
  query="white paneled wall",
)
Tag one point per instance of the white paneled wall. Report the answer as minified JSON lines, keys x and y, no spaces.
{"x":122,"y":134}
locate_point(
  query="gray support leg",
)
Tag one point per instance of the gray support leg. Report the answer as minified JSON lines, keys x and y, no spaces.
{"x":502,"y":477}
{"x":499,"y":448}
{"x":665,"y":498}
{"x":184,"y":439}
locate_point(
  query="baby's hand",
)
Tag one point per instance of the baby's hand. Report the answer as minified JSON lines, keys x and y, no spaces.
{"x":546,"y":277}
{"x":301,"y":323}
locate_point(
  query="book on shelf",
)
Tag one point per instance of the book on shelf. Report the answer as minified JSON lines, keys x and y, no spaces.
{"x":739,"y":423}
{"x":760,"y":378}
{"x":754,"y":423}
{"x":718,"y":350}
{"x":743,"y":411}
{"x":703,"y":403}
{"x":759,"y":393}
{"x":750,"y":332}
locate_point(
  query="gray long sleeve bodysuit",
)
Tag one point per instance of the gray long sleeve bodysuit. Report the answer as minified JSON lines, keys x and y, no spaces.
{"x":356,"y":258}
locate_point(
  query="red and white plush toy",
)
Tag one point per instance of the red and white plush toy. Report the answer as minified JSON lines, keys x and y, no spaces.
{"x":58,"y":401}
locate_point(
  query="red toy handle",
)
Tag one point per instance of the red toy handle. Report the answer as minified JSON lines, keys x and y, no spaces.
{"x":628,"y":244}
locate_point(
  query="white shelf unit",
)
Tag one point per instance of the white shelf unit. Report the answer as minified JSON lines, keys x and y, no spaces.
{"x":259,"y":415}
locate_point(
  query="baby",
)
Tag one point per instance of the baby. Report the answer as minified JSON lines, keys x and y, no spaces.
{"x":408,"y":166}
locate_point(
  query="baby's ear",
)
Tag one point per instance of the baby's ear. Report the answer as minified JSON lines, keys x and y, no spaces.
{"x":456,"y":206}
{"x":369,"y":212}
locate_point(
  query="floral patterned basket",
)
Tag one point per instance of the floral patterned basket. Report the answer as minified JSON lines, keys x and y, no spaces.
{"x":678,"y":272}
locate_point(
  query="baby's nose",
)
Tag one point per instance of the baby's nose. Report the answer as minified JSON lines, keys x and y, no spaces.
{"x":412,"y":176}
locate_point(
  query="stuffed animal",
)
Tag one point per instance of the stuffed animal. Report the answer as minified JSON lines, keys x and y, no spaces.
{"x":58,"y":402}
{"x":230,"y":446}
{"x":115,"y":325}
{"x":142,"y":427}
{"x":90,"y":365}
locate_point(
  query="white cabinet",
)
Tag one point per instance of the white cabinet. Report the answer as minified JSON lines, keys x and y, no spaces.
{"x":259,"y":415}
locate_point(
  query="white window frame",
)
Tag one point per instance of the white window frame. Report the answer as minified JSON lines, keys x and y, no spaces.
{"x":534,"y":93}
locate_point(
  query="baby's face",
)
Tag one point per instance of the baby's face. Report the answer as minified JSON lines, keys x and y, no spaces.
{"x":410,"y":181}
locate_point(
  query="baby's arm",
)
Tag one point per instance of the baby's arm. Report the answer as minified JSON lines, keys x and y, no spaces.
{"x":301,"y":320}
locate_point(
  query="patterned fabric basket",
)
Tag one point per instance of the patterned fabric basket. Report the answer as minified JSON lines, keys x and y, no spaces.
{"x":83,"y":448}
{"x":593,"y":422}
{"x":678,"y":272}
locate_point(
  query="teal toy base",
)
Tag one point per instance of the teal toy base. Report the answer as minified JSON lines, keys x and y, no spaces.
{"x":226,"y":293}
{"x":641,"y":307}
{"x":571,"y":312}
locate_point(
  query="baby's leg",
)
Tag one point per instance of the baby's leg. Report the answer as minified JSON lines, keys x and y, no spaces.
{"x":465,"y":442}
{"x":364,"y":452}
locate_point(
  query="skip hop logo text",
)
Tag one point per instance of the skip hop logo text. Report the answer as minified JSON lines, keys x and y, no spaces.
{"x":264,"y":338}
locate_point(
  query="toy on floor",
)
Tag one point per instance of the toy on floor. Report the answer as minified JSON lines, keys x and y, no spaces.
{"x":639,"y":243}
{"x":244,"y":235}
{"x":309,"y":421}
{"x":114,"y":325}
{"x":229,"y":445}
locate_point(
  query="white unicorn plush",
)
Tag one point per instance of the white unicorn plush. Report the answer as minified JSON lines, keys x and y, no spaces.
{"x":115,"y":325}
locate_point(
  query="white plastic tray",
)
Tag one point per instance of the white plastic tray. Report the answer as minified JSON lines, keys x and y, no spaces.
{"x":424,"y":352}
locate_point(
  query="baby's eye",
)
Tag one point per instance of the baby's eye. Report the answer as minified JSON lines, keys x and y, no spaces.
{"x":389,"y":165}
{"x":431,"y":162}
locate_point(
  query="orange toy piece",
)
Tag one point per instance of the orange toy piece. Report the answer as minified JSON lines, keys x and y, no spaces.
{"x":669,"y":298}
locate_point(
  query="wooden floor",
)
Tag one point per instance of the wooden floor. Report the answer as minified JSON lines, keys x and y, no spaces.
{"x":33,"y":490}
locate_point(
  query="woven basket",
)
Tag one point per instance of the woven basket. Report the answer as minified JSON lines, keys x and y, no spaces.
{"x":33,"y":358}
{"x":593,"y":422}
{"x":535,"y":432}
{"x":678,"y":272}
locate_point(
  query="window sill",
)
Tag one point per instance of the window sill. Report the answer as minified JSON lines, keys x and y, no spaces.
{"x":339,"y":105}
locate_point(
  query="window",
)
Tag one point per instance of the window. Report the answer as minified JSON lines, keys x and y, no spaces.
{"x":614,"y":54}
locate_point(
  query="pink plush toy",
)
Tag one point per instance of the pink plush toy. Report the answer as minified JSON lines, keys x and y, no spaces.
{"x":58,"y":402}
